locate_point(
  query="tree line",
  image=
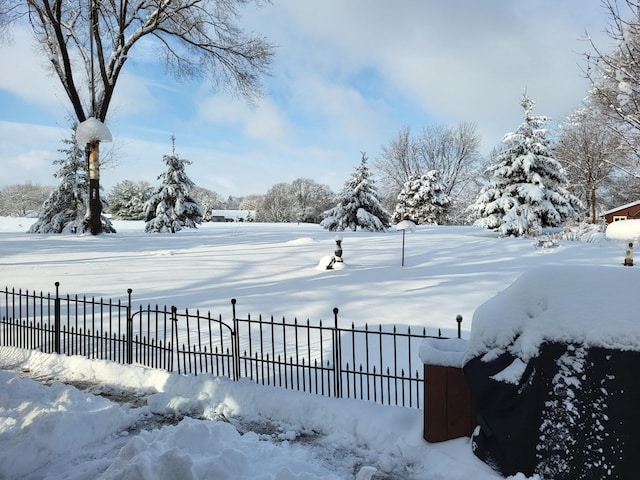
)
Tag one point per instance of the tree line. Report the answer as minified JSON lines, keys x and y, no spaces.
{"x":535,"y":178}
{"x":437,"y":177}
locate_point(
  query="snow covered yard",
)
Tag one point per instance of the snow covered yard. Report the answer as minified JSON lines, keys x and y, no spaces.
{"x":131,"y":422}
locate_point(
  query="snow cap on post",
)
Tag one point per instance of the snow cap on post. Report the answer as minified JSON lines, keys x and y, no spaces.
{"x":624,"y":230}
{"x":91,"y":130}
{"x":444,"y":352}
{"x":406,"y":225}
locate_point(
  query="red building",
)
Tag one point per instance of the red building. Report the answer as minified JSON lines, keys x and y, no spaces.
{"x":629,"y":211}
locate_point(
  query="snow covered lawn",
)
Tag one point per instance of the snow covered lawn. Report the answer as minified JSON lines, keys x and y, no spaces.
{"x":72,"y":418}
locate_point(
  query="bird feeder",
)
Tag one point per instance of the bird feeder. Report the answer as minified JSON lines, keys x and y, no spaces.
{"x":627,"y":230}
{"x":90,"y":133}
{"x":403,"y":226}
{"x":338,"y":251}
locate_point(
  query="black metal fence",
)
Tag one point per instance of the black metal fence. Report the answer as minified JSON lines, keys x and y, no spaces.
{"x":375,"y":364}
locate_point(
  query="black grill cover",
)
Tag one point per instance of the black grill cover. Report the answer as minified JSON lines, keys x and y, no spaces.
{"x":572,"y":415}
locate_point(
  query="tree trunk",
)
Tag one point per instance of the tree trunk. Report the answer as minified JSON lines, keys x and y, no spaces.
{"x":593,"y":204}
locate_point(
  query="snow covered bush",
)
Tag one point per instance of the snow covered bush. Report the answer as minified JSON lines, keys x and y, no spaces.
{"x":358,"y":205}
{"x":528,"y":189}
{"x":584,"y":232}
{"x":422,"y":200}
{"x":172,"y":207}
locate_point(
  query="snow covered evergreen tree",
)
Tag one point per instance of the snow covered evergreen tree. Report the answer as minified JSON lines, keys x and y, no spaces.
{"x":128,"y":198}
{"x":65,"y":209}
{"x":422,"y":200}
{"x":528,"y":189}
{"x":172,"y":207}
{"x":358,"y":205}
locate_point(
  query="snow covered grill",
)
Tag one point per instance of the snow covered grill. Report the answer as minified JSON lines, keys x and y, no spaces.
{"x":553,"y":372}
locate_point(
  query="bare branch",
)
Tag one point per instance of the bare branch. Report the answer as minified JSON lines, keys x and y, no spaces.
{"x":196,"y":37}
{"x":615,"y":76}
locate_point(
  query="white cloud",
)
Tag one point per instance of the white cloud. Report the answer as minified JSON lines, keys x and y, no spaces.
{"x":264,"y":122}
{"x":457,"y":60}
{"x":134,"y":96}
{"x":34,"y":163}
{"x":340,"y":113}
{"x":25,"y":74}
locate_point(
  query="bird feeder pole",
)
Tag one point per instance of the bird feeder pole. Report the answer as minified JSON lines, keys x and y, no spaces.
{"x":403,"y":247}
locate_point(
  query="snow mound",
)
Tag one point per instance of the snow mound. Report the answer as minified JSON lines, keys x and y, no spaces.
{"x":302,"y":241}
{"x":593,"y":306}
{"x":328,"y":263}
{"x":31,"y":415}
{"x":196,"y":449}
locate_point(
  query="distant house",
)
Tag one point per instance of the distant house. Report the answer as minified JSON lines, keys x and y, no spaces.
{"x":233,"y":215}
{"x":629,"y":211}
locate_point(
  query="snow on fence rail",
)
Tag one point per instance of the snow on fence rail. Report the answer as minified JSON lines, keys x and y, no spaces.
{"x":376,"y":364}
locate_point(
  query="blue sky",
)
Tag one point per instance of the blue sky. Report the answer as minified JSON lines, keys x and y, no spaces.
{"x":346,"y":78}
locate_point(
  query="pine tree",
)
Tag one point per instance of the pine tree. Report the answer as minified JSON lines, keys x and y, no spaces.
{"x":65,"y":209}
{"x":422,"y":200}
{"x":172,"y":207}
{"x":527,"y":190}
{"x":358,"y":205}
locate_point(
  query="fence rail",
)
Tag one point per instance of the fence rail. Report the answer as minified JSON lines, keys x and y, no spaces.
{"x":376,"y":364}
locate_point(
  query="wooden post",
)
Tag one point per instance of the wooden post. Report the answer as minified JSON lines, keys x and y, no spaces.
{"x":448,"y":408}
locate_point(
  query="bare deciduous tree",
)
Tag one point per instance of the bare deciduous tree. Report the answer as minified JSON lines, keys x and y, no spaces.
{"x":208,"y":200}
{"x":622,"y":189}
{"x":88,"y":42}
{"x":277,"y":205}
{"x":589,"y":152}
{"x":453,"y":152}
{"x":311,"y":199}
{"x":398,"y":162}
{"x":615,"y":75}
{"x":302,"y":200}
{"x":250,"y":202}
{"x":22,"y":200}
